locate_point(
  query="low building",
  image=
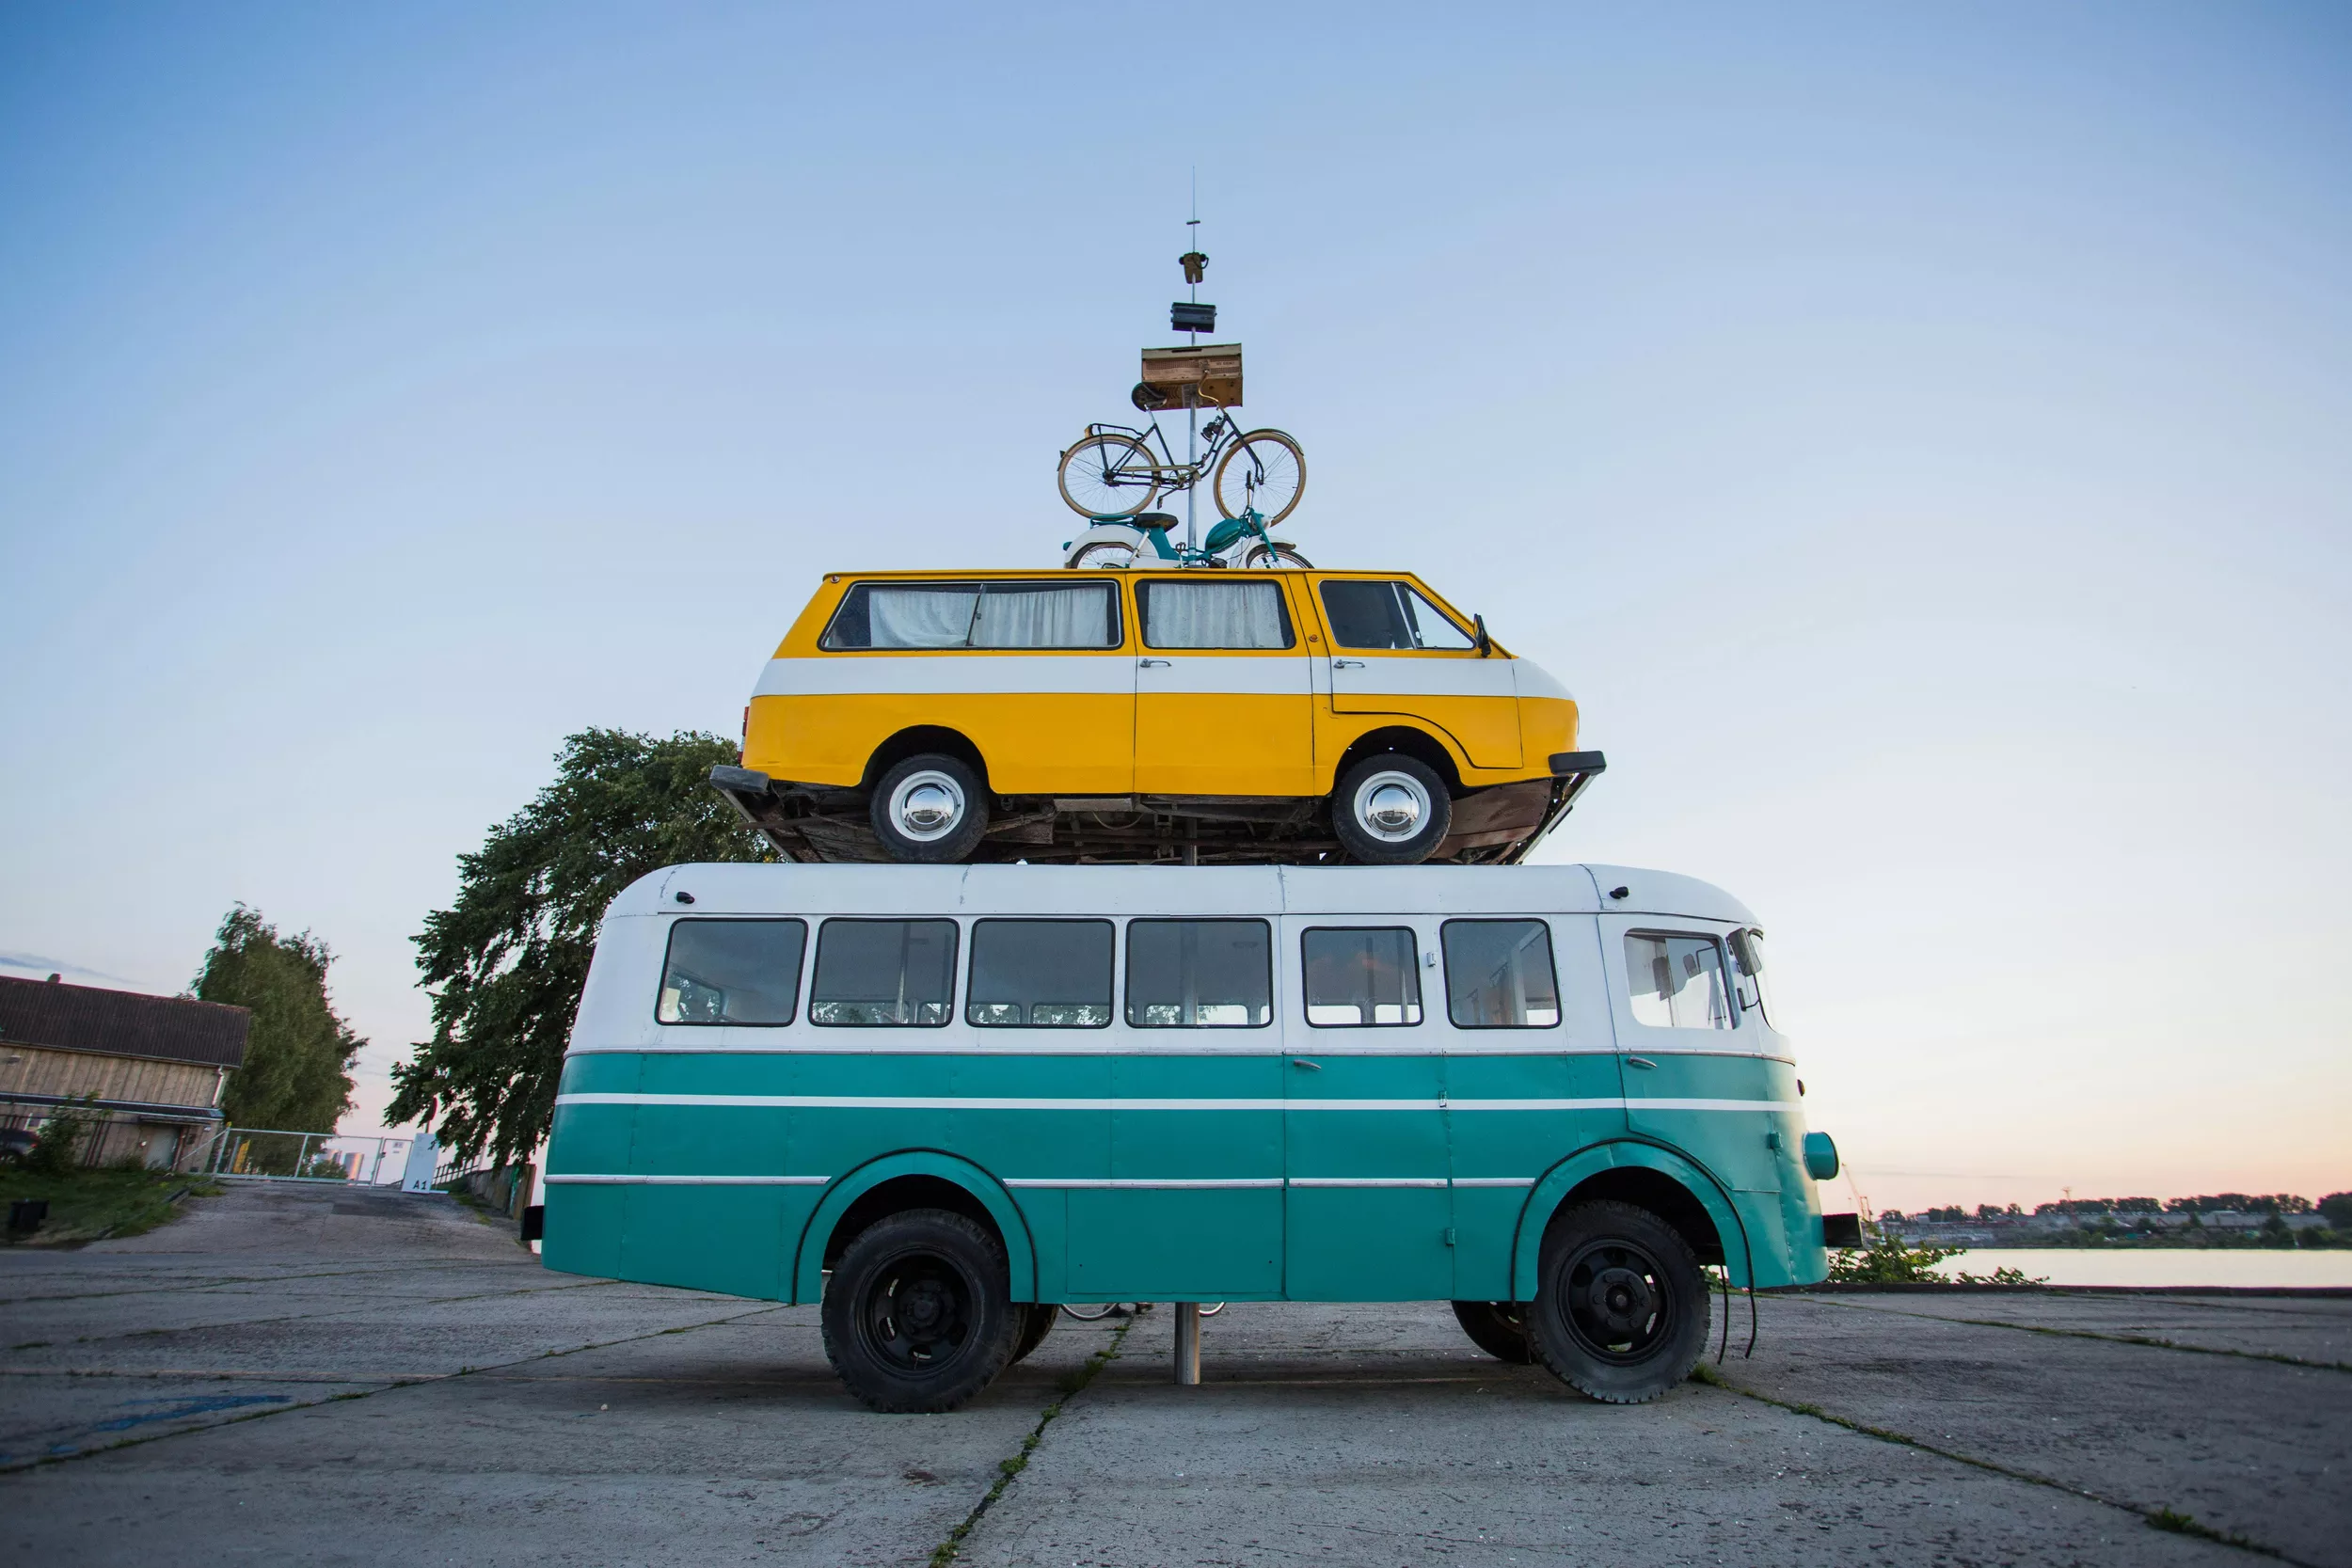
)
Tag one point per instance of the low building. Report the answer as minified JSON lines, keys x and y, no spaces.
{"x":151,"y":1068}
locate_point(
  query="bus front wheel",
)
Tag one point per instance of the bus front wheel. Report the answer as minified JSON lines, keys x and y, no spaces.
{"x":1621,"y":1307}
{"x":918,"y":1316}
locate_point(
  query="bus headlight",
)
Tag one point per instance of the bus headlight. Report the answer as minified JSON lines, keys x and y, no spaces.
{"x":1820,"y":1156}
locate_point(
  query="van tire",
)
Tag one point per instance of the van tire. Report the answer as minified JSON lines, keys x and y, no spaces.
{"x":1621,"y":1307}
{"x":1391,"y":779}
{"x":924,"y":780}
{"x":1042,"y":1315}
{"x":918,"y":1316}
{"x":1497,"y":1327}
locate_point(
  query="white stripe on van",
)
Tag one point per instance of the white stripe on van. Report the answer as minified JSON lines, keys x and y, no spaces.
{"x":1183,"y":671}
{"x":900,"y":1102}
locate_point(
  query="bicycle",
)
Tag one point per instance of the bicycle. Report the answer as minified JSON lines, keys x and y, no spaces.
{"x":1142,"y":539}
{"x":1090,"y":1311}
{"x":1111,"y":471}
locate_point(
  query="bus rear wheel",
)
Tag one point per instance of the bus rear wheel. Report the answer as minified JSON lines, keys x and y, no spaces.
{"x":1041,"y":1316}
{"x":918,"y":1316}
{"x":1620,"y":1310}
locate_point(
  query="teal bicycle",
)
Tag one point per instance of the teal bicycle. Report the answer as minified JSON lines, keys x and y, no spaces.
{"x":1143,"y":540}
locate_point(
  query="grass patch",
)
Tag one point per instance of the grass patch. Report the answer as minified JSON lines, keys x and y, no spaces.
{"x":88,"y":1205}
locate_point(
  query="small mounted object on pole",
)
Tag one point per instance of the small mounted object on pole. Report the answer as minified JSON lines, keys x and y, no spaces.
{"x":1184,"y":316}
{"x":1213,"y":371}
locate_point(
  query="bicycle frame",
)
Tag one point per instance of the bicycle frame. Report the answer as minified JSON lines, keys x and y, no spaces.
{"x":1180,"y":477}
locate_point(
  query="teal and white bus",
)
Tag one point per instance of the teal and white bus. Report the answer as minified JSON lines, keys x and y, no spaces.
{"x":941,"y":1100}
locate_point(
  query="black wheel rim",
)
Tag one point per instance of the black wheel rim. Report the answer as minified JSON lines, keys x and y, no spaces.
{"x":920,"y":1314}
{"x":1617,"y":1302}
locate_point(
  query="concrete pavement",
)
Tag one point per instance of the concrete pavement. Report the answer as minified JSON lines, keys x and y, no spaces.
{"x":308,"y":1374}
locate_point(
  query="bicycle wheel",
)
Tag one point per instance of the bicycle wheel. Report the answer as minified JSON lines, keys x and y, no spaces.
{"x":1211,"y":1309}
{"x":1087,"y":1311}
{"x":1265,"y":469}
{"x":1105,"y":553}
{"x":1261,"y":556}
{"x":1108,"y":476}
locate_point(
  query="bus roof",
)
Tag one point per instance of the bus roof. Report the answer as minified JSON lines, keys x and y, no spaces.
{"x":1148,"y":890}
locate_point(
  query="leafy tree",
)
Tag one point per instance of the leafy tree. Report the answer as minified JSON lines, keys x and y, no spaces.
{"x":2338,"y":1208}
{"x":297,"y":1058}
{"x":506,"y":962}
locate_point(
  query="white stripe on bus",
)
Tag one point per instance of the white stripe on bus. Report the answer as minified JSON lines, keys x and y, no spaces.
{"x":1368,"y":1181}
{"x":697,"y":1180}
{"x":898,"y":1102}
{"x":1175,"y":1184}
{"x":1185,"y":671}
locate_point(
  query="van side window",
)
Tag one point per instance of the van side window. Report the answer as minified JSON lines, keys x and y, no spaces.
{"x":883,"y":972}
{"x":732,"y":972}
{"x":1387,"y":616}
{"x":976,"y":615}
{"x":1676,"y":982}
{"x":1212,"y":614}
{"x":1499,"y":975}
{"x":1040,"y":974}
{"x":1200,"y":973}
{"x":1361,"y":976}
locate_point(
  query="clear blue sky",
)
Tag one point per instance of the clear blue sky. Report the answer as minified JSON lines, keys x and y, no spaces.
{"x":1918,"y":434}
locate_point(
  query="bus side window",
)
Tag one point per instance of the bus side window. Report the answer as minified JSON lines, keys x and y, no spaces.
{"x":1040,"y":975}
{"x":1676,"y":982}
{"x":879,"y":973}
{"x":1499,"y":975}
{"x":1361,"y":976}
{"x":732,"y":972}
{"x":1200,"y":973}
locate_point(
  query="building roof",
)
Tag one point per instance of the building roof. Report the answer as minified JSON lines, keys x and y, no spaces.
{"x":122,"y":1023}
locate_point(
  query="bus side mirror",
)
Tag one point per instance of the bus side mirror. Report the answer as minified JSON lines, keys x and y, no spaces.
{"x":1486,"y":644}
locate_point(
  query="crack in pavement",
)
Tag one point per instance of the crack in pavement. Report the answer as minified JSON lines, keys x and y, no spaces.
{"x":388,"y":1386}
{"x":2152,"y":1343}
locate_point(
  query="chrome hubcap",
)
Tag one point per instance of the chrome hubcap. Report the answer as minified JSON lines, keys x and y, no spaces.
{"x":927,"y":805}
{"x":1391,"y":806}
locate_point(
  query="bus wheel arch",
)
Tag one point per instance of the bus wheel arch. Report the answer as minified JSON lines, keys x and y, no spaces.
{"x":1646,"y":1177}
{"x":898,"y":1183}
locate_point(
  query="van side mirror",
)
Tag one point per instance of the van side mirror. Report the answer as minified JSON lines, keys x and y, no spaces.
{"x":1486,"y":644}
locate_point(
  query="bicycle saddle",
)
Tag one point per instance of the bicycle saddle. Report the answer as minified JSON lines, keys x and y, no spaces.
{"x":1155,"y":519}
{"x":1150,"y":399}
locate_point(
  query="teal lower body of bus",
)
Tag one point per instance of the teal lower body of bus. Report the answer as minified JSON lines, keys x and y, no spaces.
{"x":1214,"y":1176}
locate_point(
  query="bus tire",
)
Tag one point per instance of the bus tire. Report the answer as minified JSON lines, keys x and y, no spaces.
{"x":1390,"y":810}
{"x":1041,"y":1318}
{"x":918,"y":1316}
{"x":1621,"y":1309}
{"x":1497,"y":1327}
{"x":929,"y":808}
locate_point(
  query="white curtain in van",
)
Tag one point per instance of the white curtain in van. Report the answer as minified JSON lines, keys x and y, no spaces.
{"x":1078,"y":617}
{"x":1214,"y":615}
{"x":919,"y":617}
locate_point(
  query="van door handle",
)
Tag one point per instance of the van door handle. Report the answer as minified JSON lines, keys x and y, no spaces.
{"x":1348,"y":664}
{"x":1310,"y":1067}
{"x":1640,"y":1061}
{"x":1151,"y":664}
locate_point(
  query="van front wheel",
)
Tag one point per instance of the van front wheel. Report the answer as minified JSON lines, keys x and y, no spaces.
{"x":931,"y":809}
{"x":918,"y":1316}
{"x":1620,"y":1309}
{"x":1391,"y":809}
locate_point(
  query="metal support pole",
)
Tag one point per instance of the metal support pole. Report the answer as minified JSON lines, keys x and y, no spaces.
{"x":1187,"y":1344}
{"x":1192,"y":460}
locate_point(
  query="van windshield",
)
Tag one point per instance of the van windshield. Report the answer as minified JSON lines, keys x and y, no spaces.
{"x":976,"y":615}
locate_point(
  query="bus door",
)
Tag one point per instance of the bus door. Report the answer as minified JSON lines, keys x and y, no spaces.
{"x":1532,"y":1074}
{"x":1690,"y":1053}
{"x":1193,"y":1208}
{"x":1367,"y":1213}
{"x":1224,"y":703}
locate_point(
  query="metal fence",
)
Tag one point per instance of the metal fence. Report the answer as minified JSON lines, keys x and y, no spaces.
{"x":276,"y":1154}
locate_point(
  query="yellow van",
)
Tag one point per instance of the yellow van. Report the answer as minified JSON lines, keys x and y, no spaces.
{"x":1188,"y":716}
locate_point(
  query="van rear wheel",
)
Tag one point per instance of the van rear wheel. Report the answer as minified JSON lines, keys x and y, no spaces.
{"x":918,"y":1316}
{"x":1391,"y":809}
{"x":1620,"y":1310}
{"x":931,"y":809}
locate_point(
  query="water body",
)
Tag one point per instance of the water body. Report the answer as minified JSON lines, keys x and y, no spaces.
{"x":2154,"y":1266}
